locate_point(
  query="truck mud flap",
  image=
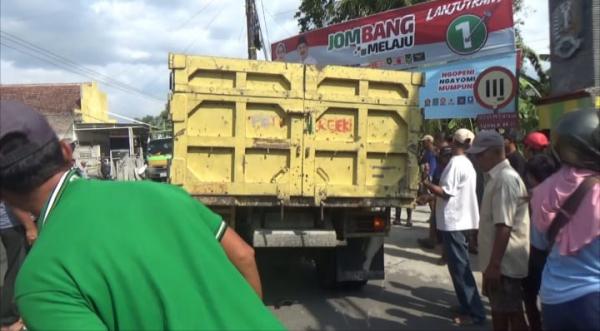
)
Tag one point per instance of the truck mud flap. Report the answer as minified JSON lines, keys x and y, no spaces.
{"x":361,"y":259}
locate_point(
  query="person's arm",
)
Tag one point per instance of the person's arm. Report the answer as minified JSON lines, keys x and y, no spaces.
{"x":242,"y":257}
{"x":24,"y":217}
{"x":57,"y":310}
{"x":492,"y":273}
{"x":503,"y":217}
{"x":436,"y":190}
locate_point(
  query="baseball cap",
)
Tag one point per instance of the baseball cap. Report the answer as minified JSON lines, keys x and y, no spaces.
{"x":484,"y":140}
{"x":461,"y":136}
{"x":536,"y":140}
{"x":18,"y":118}
{"x":427,"y":138}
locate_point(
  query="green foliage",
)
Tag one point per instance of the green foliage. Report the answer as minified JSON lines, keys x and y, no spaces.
{"x":315,"y":14}
{"x":159,"y":122}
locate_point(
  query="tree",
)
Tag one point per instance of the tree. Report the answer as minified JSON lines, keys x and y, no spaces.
{"x":159,"y":122}
{"x":315,"y":14}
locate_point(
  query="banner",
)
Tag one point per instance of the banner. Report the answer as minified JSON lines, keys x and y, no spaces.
{"x":430,"y":33}
{"x":470,"y":88}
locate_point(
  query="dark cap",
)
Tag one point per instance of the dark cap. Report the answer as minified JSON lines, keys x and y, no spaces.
{"x":511,"y":135}
{"x":18,"y":118}
{"x":446,"y":151}
{"x":485,"y":139}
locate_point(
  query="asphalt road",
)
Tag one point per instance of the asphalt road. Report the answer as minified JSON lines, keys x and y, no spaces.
{"x":417,"y":293}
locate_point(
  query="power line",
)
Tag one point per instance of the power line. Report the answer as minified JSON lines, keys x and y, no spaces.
{"x":194,"y":15}
{"x":279,"y":25}
{"x":268,"y":46}
{"x":23,"y":46}
{"x":203,"y":28}
{"x":54,"y":56}
{"x":285,"y":12}
{"x":73,"y":70}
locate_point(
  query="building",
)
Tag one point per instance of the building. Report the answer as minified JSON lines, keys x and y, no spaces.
{"x":64,"y":105}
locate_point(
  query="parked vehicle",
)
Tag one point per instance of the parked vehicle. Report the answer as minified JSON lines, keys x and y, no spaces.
{"x":158,"y":158}
{"x":298,"y":156}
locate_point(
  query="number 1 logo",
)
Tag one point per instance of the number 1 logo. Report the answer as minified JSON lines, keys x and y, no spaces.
{"x":467,"y":34}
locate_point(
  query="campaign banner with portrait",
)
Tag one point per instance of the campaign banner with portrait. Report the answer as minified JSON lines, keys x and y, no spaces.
{"x":426,"y":34}
{"x":467,"y":89}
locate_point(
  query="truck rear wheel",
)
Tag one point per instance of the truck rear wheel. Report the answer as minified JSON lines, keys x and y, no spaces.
{"x":353,"y":285}
{"x":325,"y":261}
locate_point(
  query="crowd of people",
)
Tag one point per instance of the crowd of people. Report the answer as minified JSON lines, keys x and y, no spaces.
{"x":533,"y":220}
{"x":536,"y":218}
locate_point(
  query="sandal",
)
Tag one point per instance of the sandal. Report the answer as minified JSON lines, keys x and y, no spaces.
{"x":464,"y":320}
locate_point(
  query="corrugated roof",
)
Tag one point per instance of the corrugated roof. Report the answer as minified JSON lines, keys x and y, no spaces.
{"x":48,"y":99}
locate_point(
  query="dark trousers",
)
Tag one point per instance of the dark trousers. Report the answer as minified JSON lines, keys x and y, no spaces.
{"x":15,"y":244}
{"x":531,"y":287}
{"x":580,"y":314}
{"x":459,"y":267}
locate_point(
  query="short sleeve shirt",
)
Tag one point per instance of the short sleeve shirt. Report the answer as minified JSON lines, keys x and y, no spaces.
{"x":460,"y":211}
{"x":134,"y":256}
{"x":430,"y":158}
{"x":504,"y":202}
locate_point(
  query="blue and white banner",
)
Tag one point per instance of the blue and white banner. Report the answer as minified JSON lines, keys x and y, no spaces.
{"x":449,"y":89}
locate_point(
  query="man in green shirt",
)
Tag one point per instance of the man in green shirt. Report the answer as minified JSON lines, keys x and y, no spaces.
{"x":120,"y":255}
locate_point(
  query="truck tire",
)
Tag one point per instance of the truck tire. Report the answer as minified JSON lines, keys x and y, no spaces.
{"x":325,"y":261}
{"x":354,"y":285}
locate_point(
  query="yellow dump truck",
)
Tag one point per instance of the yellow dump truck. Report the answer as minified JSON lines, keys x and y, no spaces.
{"x":298,"y":156}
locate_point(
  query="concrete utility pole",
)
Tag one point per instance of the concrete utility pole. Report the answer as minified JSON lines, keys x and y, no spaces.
{"x":250,"y":27}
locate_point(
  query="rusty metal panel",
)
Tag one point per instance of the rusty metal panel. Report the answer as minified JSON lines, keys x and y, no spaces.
{"x":330,"y":136}
{"x":360,"y":150}
{"x":222,"y":76}
{"x":361,"y":85}
{"x":232,"y":145}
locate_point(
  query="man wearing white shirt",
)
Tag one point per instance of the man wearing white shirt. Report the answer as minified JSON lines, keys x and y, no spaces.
{"x":457,"y":211}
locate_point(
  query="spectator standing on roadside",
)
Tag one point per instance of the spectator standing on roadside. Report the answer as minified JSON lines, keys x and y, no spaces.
{"x":456,"y":211}
{"x":18,"y":232}
{"x":443,"y":157}
{"x":101,"y":268}
{"x":503,"y":232}
{"x":516,"y":159}
{"x":566,"y":221}
{"x":428,"y":165}
{"x":539,"y":167}
{"x":535,"y":143}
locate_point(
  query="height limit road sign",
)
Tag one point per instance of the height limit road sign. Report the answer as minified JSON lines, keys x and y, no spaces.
{"x":495,"y":88}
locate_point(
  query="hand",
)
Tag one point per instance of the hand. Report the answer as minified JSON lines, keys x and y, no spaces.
{"x":423,"y":199}
{"x":426,"y":169}
{"x":31,"y":235}
{"x":426,"y":182}
{"x":491,"y":278}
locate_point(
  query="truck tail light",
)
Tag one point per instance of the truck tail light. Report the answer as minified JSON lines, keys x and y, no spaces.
{"x":378,"y":224}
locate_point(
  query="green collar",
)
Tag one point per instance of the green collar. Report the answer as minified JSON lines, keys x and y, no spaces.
{"x":57,"y":192}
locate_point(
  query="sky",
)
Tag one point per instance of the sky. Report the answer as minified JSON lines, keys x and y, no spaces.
{"x":125,"y":44}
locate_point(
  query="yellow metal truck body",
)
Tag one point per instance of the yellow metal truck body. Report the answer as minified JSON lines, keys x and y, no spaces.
{"x":298,"y":156}
{"x":292,"y":134}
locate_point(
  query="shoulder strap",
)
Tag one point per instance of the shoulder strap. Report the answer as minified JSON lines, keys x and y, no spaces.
{"x":569,"y":207}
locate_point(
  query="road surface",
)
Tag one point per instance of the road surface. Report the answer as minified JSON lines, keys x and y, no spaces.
{"x":417,"y":293}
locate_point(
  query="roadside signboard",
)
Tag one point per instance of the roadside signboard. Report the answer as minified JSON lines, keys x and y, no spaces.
{"x":450,"y":89}
{"x":430,"y":33}
{"x":495,"y":88}
{"x":495,"y":121}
